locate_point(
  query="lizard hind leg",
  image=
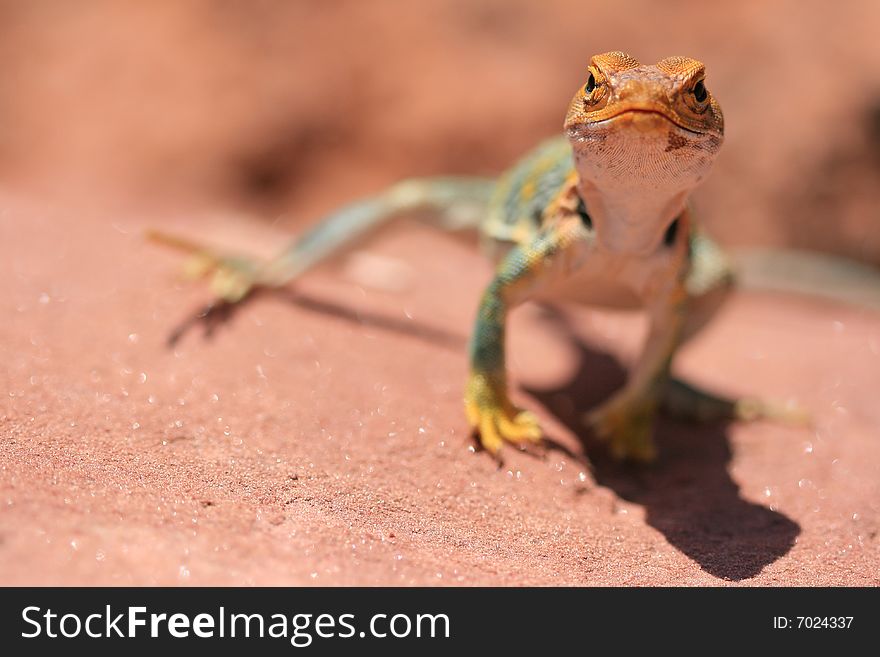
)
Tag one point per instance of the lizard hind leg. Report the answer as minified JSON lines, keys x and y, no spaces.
{"x":454,"y":204}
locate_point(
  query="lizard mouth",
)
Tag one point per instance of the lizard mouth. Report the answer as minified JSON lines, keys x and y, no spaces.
{"x":633,"y":111}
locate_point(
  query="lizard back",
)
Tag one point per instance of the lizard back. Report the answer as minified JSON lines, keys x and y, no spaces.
{"x":524,"y":191}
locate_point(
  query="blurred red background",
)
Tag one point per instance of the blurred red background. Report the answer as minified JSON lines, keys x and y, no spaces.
{"x":291,"y":108}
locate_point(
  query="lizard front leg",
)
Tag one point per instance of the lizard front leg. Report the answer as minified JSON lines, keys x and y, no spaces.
{"x":626,"y":420}
{"x":525,"y":268}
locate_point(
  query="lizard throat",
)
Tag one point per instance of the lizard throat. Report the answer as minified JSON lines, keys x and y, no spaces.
{"x":631,"y":223}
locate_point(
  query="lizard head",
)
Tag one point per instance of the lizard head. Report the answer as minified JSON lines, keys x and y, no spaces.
{"x":643,"y":137}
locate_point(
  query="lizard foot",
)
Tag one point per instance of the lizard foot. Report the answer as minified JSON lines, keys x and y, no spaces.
{"x":626,"y":422}
{"x":231,"y":278}
{"x":495,"y":418}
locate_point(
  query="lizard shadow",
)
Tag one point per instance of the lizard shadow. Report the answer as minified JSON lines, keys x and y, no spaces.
{"x":688,"y":495}
{"x":220,"y":313}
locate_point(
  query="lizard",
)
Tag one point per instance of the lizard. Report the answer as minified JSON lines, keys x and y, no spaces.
{"x":598,"y":215}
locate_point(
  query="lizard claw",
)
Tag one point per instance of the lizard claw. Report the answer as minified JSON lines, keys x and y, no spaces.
{"x":495,"y":418}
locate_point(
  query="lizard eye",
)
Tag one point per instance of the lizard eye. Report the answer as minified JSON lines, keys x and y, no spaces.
{"x":699,"y":92}
{"x":591,"y":84}
{"x":595,"y":89}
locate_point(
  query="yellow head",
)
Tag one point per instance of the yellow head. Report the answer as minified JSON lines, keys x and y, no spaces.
{"x":643,"y":137}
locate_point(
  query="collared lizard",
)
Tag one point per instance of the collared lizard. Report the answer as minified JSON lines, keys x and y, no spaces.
{"x":598,"y":216}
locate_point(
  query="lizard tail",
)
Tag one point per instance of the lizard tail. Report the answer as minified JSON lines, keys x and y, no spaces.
{"x":814,"y":274}
{"x":454,"y":204}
